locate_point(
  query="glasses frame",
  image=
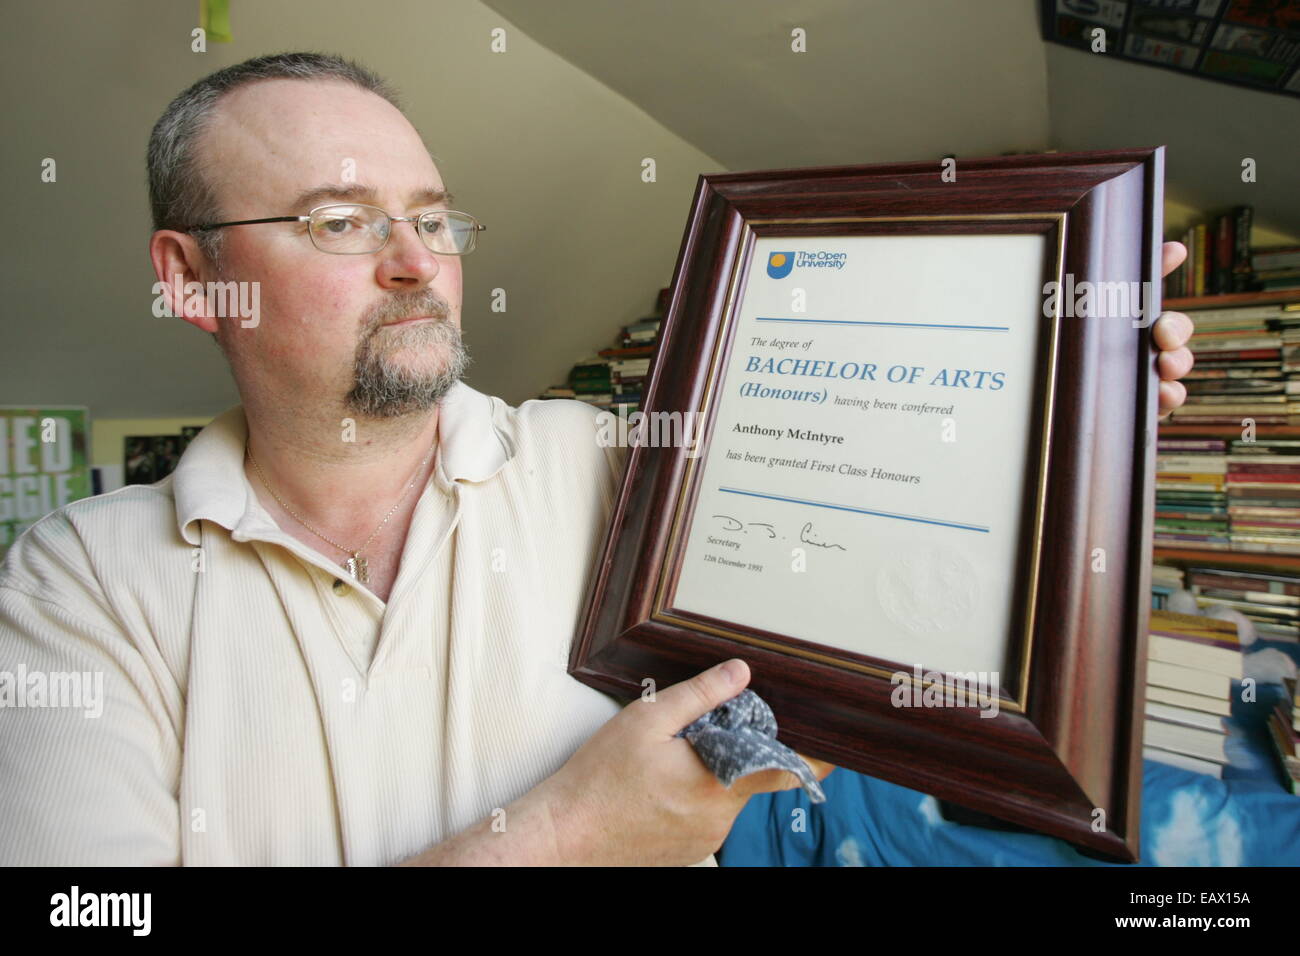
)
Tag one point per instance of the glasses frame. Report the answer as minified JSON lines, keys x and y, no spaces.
{"x":478,"y":227}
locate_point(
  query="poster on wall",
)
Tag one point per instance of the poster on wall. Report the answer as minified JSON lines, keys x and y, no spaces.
{"x":1254,"y":43}
{"x":150,"y":458}
{"x":44,"y":464}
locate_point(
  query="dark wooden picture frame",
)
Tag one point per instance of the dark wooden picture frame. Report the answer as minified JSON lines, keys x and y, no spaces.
{"x":1064,"y":753}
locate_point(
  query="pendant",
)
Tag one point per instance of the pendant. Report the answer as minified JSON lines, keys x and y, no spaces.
{"x":356,"y":566}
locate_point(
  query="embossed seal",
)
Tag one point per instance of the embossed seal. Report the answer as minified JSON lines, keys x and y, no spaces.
{"x":931,"y":589}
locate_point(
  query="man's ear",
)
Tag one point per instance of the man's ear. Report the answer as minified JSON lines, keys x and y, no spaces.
{"x":179,"y":266}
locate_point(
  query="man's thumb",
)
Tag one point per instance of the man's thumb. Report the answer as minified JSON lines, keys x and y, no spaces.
{"x":680,"y":704}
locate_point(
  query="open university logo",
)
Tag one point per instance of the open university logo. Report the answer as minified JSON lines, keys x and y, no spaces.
{"x":779,"y":264}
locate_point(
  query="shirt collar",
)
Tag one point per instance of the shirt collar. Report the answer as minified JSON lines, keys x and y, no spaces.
{"x":209,"y":482}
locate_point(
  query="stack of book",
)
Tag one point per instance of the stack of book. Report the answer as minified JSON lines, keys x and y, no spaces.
{"x":1191,"y":499}
{"x":615,"y":378}
{"x":642,"y":333}
{"x":1239,"y":370}
{"x":1191,"y":664}
{"x":1247,"y":500}
{"x":629,"y":368}
{"x":1241,"y":494}
{"x":1263,"y":487}
{"x":1276,"y":269}
{"x":1284,"y":728}
{"x":591,"y":382}
{"x":630,"y":362}
{"x":1270,"y":601}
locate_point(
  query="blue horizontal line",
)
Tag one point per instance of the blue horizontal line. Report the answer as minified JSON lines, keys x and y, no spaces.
{"x":903,"y":325}
{"x":865,"y":511}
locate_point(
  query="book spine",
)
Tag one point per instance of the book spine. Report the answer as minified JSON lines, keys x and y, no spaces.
{"x":1202,"y":258}
{"x":1224,"y":255}
{"x":1241,"y":248}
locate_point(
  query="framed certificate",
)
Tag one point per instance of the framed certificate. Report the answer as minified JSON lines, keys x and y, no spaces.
{"x":897,"y":453}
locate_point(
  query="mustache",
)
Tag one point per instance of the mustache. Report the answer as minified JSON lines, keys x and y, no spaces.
{"x":400,"y":307}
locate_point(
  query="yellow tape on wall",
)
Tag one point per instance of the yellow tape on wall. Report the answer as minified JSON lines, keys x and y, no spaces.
{"x":214,"y":18}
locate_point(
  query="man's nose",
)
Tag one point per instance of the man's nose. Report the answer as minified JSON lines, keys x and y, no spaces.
{"x":406,"y":261}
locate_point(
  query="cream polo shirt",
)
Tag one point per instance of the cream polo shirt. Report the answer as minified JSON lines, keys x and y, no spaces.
{"x":258,"y":710}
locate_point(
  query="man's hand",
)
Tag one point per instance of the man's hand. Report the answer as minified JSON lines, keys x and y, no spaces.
{"x":633,"y":794}
{"x":1171,"y":332}
{"x":637,"y":794}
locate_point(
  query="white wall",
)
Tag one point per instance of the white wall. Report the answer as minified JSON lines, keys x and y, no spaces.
{"x":543,"y":154}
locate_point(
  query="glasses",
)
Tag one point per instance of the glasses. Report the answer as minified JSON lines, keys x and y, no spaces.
{"x":355,"y":229}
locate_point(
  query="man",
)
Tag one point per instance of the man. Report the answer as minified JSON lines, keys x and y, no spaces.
{"x":338,"y":633}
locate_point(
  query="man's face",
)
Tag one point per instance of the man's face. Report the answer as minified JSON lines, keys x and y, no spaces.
{"x":379,"y":332}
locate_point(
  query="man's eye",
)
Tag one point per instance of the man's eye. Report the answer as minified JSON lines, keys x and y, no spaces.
{"x":338,"y":226}
{"x":432,"y":226}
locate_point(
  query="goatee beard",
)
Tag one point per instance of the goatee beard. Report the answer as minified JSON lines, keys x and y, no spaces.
{"x":384,"y":389}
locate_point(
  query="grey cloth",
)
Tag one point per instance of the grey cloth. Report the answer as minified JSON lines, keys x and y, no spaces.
{"x":739,"y":738}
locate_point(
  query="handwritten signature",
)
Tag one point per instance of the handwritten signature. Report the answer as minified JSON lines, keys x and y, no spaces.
{"x":805,"y":533}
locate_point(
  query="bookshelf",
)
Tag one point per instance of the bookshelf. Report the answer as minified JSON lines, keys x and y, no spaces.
{"x":1244,"y":560}
{"x":1226,"y":431}
{"x":1183,"y":557}
{"x":1242,"y":299}
{"x":614,"y":379}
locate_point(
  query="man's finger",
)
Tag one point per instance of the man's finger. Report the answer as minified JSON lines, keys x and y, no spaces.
{"x":1172,"y":331}
{"x":1172,"y":395}
{"x":1175,"y":364}
{"x":1172,"y":255}
{"x":678,"y":705}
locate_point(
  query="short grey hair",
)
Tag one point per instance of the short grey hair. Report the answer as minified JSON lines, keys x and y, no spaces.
{"x":180,"y":193}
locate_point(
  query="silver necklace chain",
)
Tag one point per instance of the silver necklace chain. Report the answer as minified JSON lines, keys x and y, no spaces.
{"x":355,"y":564}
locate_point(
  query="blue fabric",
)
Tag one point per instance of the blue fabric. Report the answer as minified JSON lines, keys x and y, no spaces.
{"x":1246,"y":819}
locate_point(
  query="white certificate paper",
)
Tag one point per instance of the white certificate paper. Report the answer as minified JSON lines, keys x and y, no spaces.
{"x":865,"y":473}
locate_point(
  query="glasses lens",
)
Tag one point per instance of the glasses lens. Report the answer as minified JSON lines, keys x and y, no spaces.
{"x":449,"y":233}
{"x":348,"y":228}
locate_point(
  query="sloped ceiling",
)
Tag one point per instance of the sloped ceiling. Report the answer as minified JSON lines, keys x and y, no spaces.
{"x":885,"y":80}
{"x":880,"y":81}
{"x":1207,"y":127}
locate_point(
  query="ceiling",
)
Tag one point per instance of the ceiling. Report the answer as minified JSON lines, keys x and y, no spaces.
{"x":879,"y":81}
{"x":883,"y":80}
